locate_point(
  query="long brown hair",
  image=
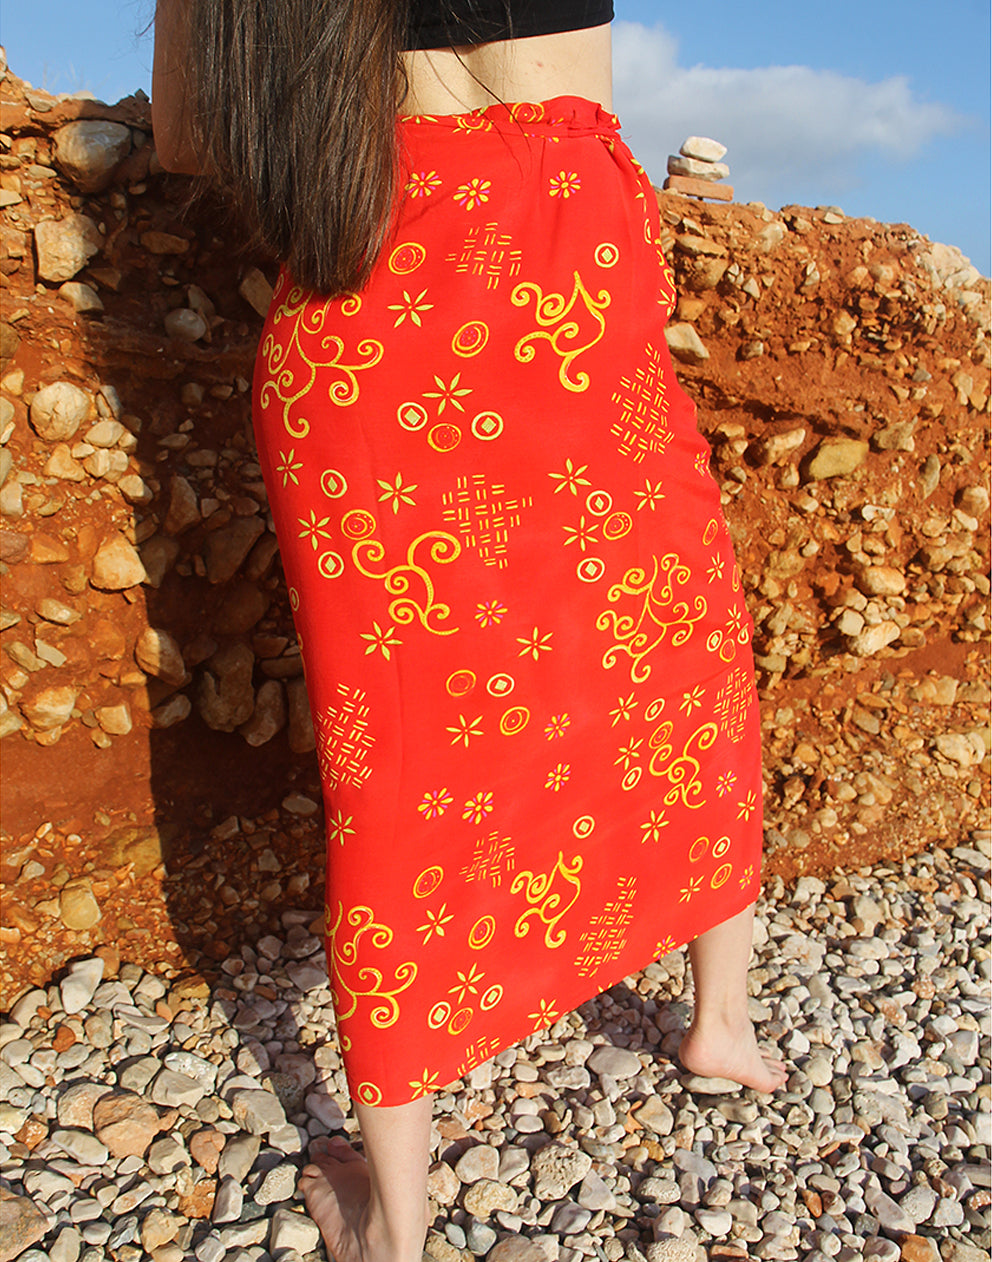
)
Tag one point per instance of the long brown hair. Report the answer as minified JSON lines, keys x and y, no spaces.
{"x":293,"y":110}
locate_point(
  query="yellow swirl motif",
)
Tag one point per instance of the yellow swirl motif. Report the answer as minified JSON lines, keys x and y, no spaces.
{"x":289,"y":383}
{"x":551,"y":310}
{"x":369,"y":982}
{"x":681,"y":770}
{"x":545,"y":902}
{"x":404,"y":609}
{"x":660,"y":615}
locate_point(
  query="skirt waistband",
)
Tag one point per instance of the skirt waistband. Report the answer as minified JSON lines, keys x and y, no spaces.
{"x":560,"y":115}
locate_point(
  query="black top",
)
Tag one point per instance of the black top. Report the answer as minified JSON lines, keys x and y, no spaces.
{"x":441,"y":23}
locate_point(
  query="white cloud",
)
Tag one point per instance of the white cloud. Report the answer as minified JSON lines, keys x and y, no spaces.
{"x":790,"y":131}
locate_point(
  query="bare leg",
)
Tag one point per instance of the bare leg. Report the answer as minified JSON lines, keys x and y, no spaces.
{"x":373,"y":1208}
{"x":720,"y":1042}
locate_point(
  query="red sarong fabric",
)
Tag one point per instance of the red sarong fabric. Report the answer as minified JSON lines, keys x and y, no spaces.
{"x":526,"y":645}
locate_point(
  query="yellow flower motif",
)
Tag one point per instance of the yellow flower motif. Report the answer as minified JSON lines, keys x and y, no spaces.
{"x":624,"y":709}
{"x":474,"y":193}
{"x":288,"y":466}
{"x":423,"y":183}
{"x":716,"y":569}
{"x":746,"y":808}
{"x":379,"y":639}
{"x":396,"y":492}
{"x":434,"y":803}
{"x":436,"y":920}
{"x":564,"y":184}
{"x":465,"y":729}
{"x":665,"y":944}
{"x":692,"y":700}
{"x":535,"y":645}
{"x":558,"y":777}
{"x":652,"y":826}
{"x":448,"y":394}
{"x":581,"y":534}
{"x":425,"y":1084}
{"x":747,"y":876}
{"x":477,"y":808}
{"x":650,"y":496}
{"x":572,"y":478}
{"x":627,"y":753}
{"x":313,"y":528}
{"x":546,"y":1014}
{"x":490,"y":613}
{"x":466,"y":982}
{"x":735,"y":620}
{"x":702,"y":463}
{"x":411,"y":307}
{"x":338,"y":827}
{"x":725,"y":783}
{"x":558,"y":726}
{"x":687,"y":891}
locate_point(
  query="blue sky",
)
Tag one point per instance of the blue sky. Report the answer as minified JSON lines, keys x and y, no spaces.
{"x":881,"y":108}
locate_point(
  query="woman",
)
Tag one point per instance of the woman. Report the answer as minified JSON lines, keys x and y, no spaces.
{"x":526,"y":647}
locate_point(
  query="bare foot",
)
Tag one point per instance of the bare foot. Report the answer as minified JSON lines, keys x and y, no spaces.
{"x":731,"y":1052}
{"x":335,"y":1187}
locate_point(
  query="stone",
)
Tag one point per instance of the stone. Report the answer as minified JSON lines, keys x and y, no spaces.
{"x":278,"y":1185}
{"x":173,"y":1089}
{"x":125,"y":1122}
{"x":228,"y":1202}
{"x":291,"y":1229}
{"x":442,"y":1183}
{"x":81,"y":1146}
{"x":488,"y":1195}
{"x":65,"y":246}
{"x":516,"y":1249}
{"x":225,"y":549}
{"x":58,"y":410}
{"x":256,"y":291}
{"x":89,"y":151}
{"x":655,"y":1114}
{"x":185,"y":325}
{"x":78,"y":907}
{"x":617,"y":1062}
{"x":892,"y":1219}
{"x":556,"y":1168}
{"x":61,"y":465}
{"x":79,"y":985}
{"x":115,"y":720}
{"x":257,"y":1111}
{"x":302,"y":737}
{"x":74,"y":1107}
{"x":22,"y":1224}
{"x":695,"y":169}
{"x":961,"y":748}
{"x":880,"y":580}
{"x":481,"y":1161}
{"x":684,"y":1248}
{"x":874,"y":638}
{"x":239,"y":1156}
{"x":205,"y":1147}
{"x":81,"y":297}
{"x":835,"y":457}
{"x":269,"y":716}
{"x":157,"y":652}
{"x":166,"y":1155}
{"x":164,"y":242}
{"x":698,"y":188}
{"x":117,"y":566}
{"x":973,"y":500}
{"x":158,"y":1227}
{"x":594,"y":1193}
{"x":225,"y":697}
{"x":775,"y":447}
{"x":702,"y":148}
{"x":184,"y":508}
{"x":685,"y":344}
{"x":50,"y":708}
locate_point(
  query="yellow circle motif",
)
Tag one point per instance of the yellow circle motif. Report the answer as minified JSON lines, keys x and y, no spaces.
{"x":439,"y":1014}
{"x":470,"y":339}
{"x":591,"y":569}
{"x":331,"y":564}
{"x":583,"y":826}
{"x":357,"y":524}
{"x":428,"y":881}
{"x":412,"y":416}
{"x":481,"y":933}
{"x":294,"y":599}
{"x":599,"y":503}
{"x":491,"y":998}
{"x":487,"y":425}
{"x":406,"y":258}
{"x":721,"y":875}
{"x":444,"y":437}
{"x":514,"y":720}
{"x":460,"y":1021}
{"x":710,"y":533}
{"x":460,"y":682}
{"x":698,"y":849}
{"x":351,"y":305}
{"x":500,"y":685}
{"x":527,"y":112}
{"x":631,"y":778}
{"x":617,"y":525}
{"x":606,"y":254}
{"x":721,"y":847}
{"x":655,"y":707}
{"x":333,"y":483}
{"x":368,"y":1093}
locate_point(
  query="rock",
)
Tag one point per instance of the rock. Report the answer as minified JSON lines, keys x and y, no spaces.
{"x":158,"y":555}
{"x":874,"y":638}
{"x":226,"y":549}
{"x":775,"y":447}
{"x":239,"y":1156}
{"x":228,"y":1202}
{"x":115,"y":720}
{"x":481,"y":1161}
{"x":225,"y":697}
{"x":90,"y":150}
{"x":684,"y":1248}
{"x":486,"y":1196}
{"x":244,"y":605}
{"x":696,"y":1083}
{"x":65,"y":246}
{"x":269,"y":715}
{"x":256,"y":290}
{"x":703,"y":148}
{"x":556,"y":1168}
{"x":656,"y":1116}
{"x":278,"y":1185}
{"x":516,"y":1249}
{"x":125,"y":1122}
{"x":442,"y":1182}
{"x":184,"y":509}
{"x":966,"y":750}
{"x":158,"y":653}
{"x":292,"y":1230}
{"x":50,"y":708}
{"x":164,"y":243}
{"x":81,"y":1146}
{"x":684,"y":343}
{"x":302,"y":737}
{"x":594,"y":1193}
{"x":696,"y":169}
{"x":173,"y":1089}
{"x":58,"y":410}
{"x":82,"y":298}
{"x":60,"y":464}
{"x":835,"y":457}
{"x":617,"y":1062}
{"x":79,"y":986}
{"x":117,"y":566}
{"x":205,"y":1147}
{"x":173,"y":711}
{"x":881,"y":580}
{"x":891,"y":1218}
{"x":973,"y":500}
{"x":185,"y":325}
{"x":257,"y":1111}
{"x":22,"y":1224}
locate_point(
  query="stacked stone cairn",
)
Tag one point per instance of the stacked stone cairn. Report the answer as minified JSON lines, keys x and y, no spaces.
{"x":696,"y":169}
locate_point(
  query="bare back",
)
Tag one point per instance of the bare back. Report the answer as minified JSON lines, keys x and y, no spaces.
{"x":452,"y":81}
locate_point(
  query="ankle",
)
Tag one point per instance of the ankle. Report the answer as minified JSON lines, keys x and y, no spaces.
{"x":725,"y":1020}
{"x":385,"y":1242}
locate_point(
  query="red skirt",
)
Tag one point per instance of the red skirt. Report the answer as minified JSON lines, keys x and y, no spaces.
{"x":526,"y":646}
